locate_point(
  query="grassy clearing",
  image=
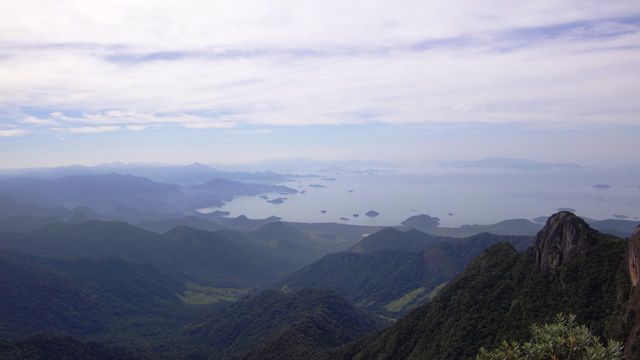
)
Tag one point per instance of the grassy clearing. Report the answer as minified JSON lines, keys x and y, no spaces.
{"x":200,"y":295}
{"x":406,"y":299}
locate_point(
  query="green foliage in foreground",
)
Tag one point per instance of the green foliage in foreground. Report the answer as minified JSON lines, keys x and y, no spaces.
{"x":561,"y":340}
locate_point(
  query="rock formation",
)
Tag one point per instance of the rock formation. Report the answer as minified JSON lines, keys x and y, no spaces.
{"x":564,"y":237}
{"x":634,"y":257}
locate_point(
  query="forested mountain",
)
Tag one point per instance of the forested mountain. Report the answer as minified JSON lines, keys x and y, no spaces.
{"x":51,"y":347}
{"x":206,"y":257}
{"x":282,"y":325}
{"x":78,"y":296}
{"x":392,"y":271}
{"x":571,"y":268}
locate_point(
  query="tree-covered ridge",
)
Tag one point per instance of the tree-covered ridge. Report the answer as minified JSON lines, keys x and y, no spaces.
{"x":393,"y":271}
{"x":499,"y":295}
{"x":283,"y":325}
{"x":52,"y":347}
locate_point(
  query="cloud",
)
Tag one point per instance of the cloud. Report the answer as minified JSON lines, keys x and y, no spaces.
{"x":91,"y":129}
{"x":322,"y":63}
{"x":136,"y":127}
{"x":12,"y":133}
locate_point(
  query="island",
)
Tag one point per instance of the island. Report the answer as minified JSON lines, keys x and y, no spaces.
{"x":277,"y":201}
{"x":602,"y":186}
{"x":344,"y":219}
{"x":323,"y":211}
{"x":355,"y":215}
{"x":372,"y":213}
{"x":317,"y":186}
{"x":264,"y":197}
{"x":329,"y":179}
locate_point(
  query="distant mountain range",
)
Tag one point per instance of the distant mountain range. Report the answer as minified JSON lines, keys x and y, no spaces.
{"x":128,"y":196}
{"x":506,"y":164}
{"x":185,"y":175}
{"x":205,"y":257}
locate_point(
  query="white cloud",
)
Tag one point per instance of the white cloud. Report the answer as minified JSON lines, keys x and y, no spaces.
{"x":91,"y":129}
{"x":136,"y":127}
{"x":216,"y":64}
{"x":209,"y":125}
{"x":12,"y":133}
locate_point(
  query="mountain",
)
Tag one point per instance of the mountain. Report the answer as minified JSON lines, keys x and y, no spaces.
{"x":621,"y":228}
{"x":100,"y":192}
{"x":571,"y":268}
{"x":78,"y":296}
{"x":507,"y":164}
{"x":392,"y":271}
{"x":394,"y":239}
{"x":617,"y":227}
{"x":54,"y":347}
{"x":163,"y":225}
{"x":431,"y":225}
{"x":184,"y":175}
{"x":223,"y":189}
{"x":9,"y":207}
{"x":285,"y":325}
{"x":203,"y":256}
{"x":126,"y":197}
{"x":26,"y":223}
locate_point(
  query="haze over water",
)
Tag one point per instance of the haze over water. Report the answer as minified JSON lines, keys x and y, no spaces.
{"x":471,"y":197}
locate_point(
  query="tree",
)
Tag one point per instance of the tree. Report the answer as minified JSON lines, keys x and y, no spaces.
{"x":560,"y":340}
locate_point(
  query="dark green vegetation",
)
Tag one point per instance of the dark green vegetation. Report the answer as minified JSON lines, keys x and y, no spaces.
{"x":50,"y":347}
{"x":190,"y":289}
{"x":283,"y":325}
{"x":393,"y":271}
{"x":562,"y":339}
{"x":502,"y":292}
{"x":80,"y":296}
{"x":202,"y":256}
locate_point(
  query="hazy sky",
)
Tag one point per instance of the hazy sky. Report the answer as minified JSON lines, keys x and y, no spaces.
{"x":233,"y":81}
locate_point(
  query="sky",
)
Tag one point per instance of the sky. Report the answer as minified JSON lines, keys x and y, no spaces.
{"x":245,"y":80}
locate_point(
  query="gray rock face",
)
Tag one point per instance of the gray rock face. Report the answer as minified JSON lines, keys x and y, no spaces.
{"x":634,"y":257}
{"x":564,"y":237}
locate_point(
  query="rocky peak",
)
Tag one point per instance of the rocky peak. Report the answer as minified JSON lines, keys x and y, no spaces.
{"x":563,"y":238}
{"x":634,"y":257}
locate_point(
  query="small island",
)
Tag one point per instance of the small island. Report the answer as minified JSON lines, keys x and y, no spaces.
{"x":265,"y":197}
{"x":355,"y":215}
{"x":602,"y":186}
{"x":277,"y":201}
{"x":329,"y":179}
{"x":317,"y":186}
{"x":372,"y":213}
{"x":323,"y":211}
{"x":344,"y":219}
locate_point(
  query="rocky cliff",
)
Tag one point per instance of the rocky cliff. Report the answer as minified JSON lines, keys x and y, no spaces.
{"x":564,"y":237}
{"x":634,"y":257}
